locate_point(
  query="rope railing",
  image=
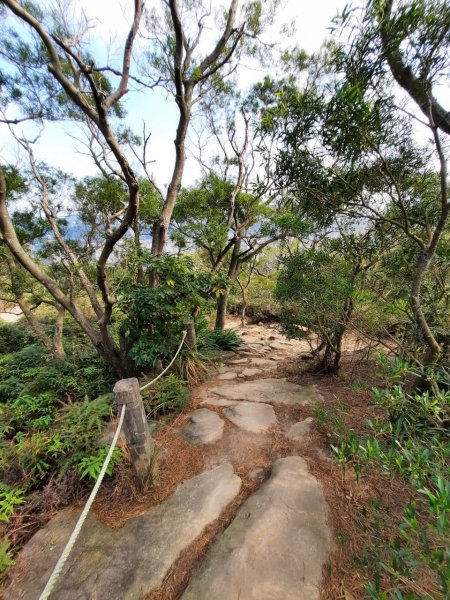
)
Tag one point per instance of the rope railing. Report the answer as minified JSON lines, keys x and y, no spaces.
{"x":168,"y":366}
{"x":82,"y":518}
{"x":75,"y":533}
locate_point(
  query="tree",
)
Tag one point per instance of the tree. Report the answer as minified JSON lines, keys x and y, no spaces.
{"x":52,"y":49}
{"x":354,"y":151}
{"x":179,"y":63}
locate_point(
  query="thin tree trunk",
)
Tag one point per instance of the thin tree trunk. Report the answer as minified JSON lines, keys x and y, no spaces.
{"x":222,"y":301}
{"x":161,"y":227}
{"x":221,"y":314}
{"x":58,"y":348}
{"x":422,"y":266}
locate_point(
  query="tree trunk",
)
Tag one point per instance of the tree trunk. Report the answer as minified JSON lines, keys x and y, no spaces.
{"x":422,"y":266}
{"x":221,"y":314}
{"x":222,"y":301}
{"x":34,"y":324}
{"x":161,"y":227}
{"x":58,"y":348}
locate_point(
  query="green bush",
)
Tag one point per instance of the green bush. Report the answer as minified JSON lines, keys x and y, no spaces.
{"x":15,"y":336}
{"x":213,"y":340}
{"x":169,"y":395}
{"x":41,"y":447}
{"x":155,"y":315}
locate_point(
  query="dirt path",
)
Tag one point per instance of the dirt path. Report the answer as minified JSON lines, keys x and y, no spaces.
{"x":252,"y":524}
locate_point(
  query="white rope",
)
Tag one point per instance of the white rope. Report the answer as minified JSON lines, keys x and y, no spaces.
{"x":168,"y":366}
{"x":64,"y":556}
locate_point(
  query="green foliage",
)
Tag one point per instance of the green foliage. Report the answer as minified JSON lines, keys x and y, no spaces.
{"x":317,"y":291}
{"x":5,"y":560}
{"x":155,"y":315}
{"x":410,"y":442}
{"x":228,"y":339}
{"x":92,"y":465}
{"x":169,"y":395}
{"x":13,"y":337}
{"x":9,"y":499}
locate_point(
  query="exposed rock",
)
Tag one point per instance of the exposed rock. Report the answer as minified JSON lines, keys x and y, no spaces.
{"x":299,"y":430}
{"x":272,"y":391}
{"x":255,"y":418}
{"x":262,"y":362}
{"x":228,"y":376}
{"x":219,"y":402}
{"x":239,"y":361}
{"x":204,"y":427}
{"x":122,"y":564}
{"x":277,"y":346}
{"x":276,"y":546}
{"x":250,"y":372}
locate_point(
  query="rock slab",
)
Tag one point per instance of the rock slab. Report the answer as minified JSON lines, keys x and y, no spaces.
{"x":272,"y":391}
{"x":228,"y":375}
{"x":299,"y":430}
{"x":203,"y":427}
{"x":122,"y":564}
{"x":250,"y":372}
{"x":276,"y":546}
{"x":255,"y":418}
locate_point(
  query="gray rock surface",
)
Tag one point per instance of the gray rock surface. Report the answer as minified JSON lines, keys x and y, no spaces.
{"x":122,"y":564}
{"x":273,"y":391}
{"x":203,"y":427}
{"x":252,"y":417}
{"x":228,"y":376}
{"x":299,"y":430}
{"x":276,"y":546}
{"x":250,"y":372}
{"x":262,"y":362}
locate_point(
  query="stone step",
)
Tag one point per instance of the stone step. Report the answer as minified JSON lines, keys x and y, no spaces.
{"x":126,"y":563}
{"x":271,"y":391}
{"x":276,"y":546}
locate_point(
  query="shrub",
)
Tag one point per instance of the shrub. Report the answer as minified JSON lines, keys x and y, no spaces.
{"x":169,"y":395}
{"x":228,"y":339}
{"x":155,"y":315}
{"x":41,"y":448}
{"x":15,"y":336}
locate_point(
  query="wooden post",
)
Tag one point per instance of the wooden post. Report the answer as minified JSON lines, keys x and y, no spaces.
{"x":191,"y":337}
{"x":135,"y":426}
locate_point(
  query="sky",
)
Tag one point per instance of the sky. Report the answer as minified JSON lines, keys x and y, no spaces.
{"x":59,"y":145}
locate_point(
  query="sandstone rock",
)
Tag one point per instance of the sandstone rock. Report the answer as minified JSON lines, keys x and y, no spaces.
{"x":239,"y":361}
{"x":272,"y":391}
{"x":299,"y":430}
{"x":277,"y":346}
{"x":262,"y":362}
{"x":275,"y":548}
{"x":204,"y":427}
{"x":122,"y":564}
{"x":219,"y":402}
{"x":250,"y":372}
{"x":228,"y":376}
{"x":255,"y":418}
